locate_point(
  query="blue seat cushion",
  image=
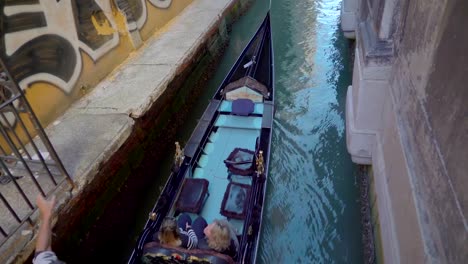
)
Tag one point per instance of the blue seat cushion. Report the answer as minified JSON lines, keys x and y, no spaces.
{"x":242,"y":107}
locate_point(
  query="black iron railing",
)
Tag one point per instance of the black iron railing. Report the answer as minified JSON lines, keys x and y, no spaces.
{"x":29,"y":164}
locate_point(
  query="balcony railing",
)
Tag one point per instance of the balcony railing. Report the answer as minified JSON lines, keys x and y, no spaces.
{"x":29,"y":164}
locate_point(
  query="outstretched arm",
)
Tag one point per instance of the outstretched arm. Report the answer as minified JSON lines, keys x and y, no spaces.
{"x":46,"y":208}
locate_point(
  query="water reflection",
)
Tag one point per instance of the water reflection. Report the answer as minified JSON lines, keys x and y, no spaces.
{"x":311,"y":214}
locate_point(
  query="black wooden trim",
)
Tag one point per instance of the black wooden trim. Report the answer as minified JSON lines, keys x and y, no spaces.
{"x":197,"y":135}
{"x":267,"y":119}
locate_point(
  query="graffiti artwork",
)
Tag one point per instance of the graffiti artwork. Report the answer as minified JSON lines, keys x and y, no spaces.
{"x":161,"y":3}
{"x":42,"y":39}
{"x":136,"y":13}
{"x":42,"y":43}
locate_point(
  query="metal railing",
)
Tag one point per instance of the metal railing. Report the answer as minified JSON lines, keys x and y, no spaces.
{"x":29,"y":164}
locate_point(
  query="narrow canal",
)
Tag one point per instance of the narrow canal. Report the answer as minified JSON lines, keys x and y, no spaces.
{"x":312,"y":207}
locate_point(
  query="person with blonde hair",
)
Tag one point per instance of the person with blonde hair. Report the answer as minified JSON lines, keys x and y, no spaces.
{"x":219,"y":235}
{"x":178,"y":233}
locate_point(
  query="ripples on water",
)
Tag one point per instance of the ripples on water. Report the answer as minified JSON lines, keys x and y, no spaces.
{"x":311,"y":212}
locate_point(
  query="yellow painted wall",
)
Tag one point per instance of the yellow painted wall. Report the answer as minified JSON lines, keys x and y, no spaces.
{"x":157,"y":17}
{"x":59,"y":52}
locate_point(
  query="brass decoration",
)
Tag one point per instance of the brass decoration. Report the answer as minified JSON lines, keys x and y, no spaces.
{"x":152,"y":216}
{"x":250,"y":230}
{"x":179,"y":155}
{"x":195,"y":259}
{"x":260,"y":163}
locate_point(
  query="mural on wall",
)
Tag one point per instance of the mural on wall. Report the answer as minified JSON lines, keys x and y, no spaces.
{"x":42,"y":39}
{"x":136,"y":12}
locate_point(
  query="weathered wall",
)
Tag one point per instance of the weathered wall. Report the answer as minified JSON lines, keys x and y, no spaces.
{"x":407,"y":112}
{"x":59,"y":50}
{"x":431,"y":99}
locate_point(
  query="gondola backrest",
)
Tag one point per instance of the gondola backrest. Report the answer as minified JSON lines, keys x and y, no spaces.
{"x":154,"y":252}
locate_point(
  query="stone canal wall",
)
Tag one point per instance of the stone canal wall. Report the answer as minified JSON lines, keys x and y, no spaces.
{"x":103,"y":136}
{"x":406,"y":115}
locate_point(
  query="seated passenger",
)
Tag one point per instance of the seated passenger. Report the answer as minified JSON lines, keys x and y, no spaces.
{"x":178,"y":233}
{"x":219,"y":235}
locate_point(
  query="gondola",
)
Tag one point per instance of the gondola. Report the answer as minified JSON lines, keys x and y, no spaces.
{"x":221,"y":171}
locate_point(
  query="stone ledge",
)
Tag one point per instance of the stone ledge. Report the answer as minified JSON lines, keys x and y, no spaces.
{"x":364,"y":107}
{"x":348,"y":22}
{"x":84,"y":141}
{"x":358,"y":142}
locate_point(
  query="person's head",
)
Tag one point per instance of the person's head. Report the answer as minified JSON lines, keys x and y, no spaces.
{"x":169,"y":232}
{"x":218,"y":235}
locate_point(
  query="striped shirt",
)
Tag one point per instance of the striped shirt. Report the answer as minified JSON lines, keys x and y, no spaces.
{"x":46,"y":257}
{"x":189,"y":239}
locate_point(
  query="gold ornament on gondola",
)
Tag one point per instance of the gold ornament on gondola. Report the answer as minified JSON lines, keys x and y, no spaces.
{"x":259,"y":162}
{"x":179,"y":155}
{"x":152,"y":216}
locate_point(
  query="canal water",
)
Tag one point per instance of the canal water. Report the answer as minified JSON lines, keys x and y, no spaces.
{"x":312,"y":211}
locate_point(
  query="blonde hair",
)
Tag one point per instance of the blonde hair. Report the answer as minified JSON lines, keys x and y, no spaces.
{"x":220,"y":237}
{"x":169,"y":232}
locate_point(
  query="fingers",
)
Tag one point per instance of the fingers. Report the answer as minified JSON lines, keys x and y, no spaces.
{"x":39,"y":199}
{"x":52,"y":200}
{"x":44,"y":204}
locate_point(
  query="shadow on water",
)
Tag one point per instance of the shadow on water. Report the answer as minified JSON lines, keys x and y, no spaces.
{"x":312,"y":209}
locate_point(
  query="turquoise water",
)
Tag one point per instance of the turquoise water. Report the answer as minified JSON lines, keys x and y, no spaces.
{"x":312,"y":209}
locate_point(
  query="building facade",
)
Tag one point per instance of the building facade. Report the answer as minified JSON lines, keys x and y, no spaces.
{"x":407,"y":116}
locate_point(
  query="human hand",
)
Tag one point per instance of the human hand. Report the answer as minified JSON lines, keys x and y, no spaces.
{"x":46,"y":207}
